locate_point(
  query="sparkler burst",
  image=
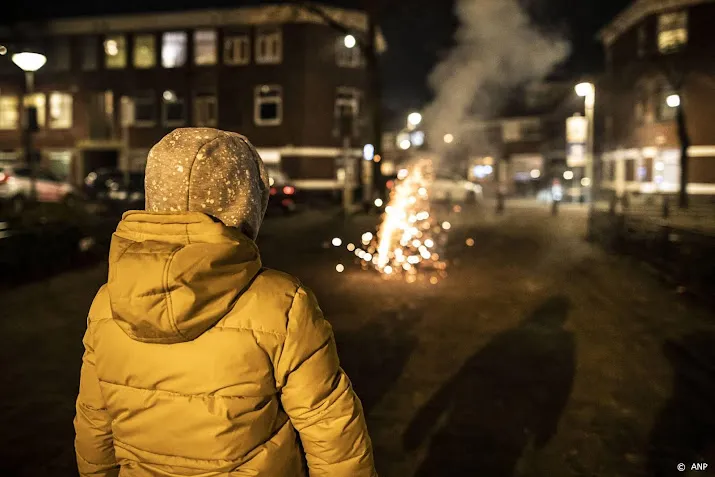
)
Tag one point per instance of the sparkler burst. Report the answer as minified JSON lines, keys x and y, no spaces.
{"x":409,"y":239}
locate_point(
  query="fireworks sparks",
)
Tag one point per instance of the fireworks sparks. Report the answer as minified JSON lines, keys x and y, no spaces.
{"x":409,"y":240}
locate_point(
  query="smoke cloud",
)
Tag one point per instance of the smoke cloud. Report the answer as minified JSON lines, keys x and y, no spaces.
{"x":497,"y":48}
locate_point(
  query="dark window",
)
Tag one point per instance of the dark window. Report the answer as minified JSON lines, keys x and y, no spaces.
{"x":174,"y":110}
{"x":90,"y":53}
{"x":22,"y":172}
{"x":58,"y":57}
{"x":647,"y":174}
{"x":630,"y":170}
{"x":144,"y":108}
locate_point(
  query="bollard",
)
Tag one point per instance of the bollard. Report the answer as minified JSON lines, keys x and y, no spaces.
{"x":500,"y":203}
{"x":666,"y":207}
{"x":555,"y":207}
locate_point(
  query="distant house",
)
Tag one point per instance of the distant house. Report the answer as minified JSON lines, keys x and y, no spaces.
{"x":655,"y":50}
{"x":277,"y":74}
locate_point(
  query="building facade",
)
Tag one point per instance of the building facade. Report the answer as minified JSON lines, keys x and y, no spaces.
{"x":114,"y":86}
{"x":659,"y":58}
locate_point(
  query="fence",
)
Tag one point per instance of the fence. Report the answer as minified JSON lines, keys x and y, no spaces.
{"x":685,"y":255}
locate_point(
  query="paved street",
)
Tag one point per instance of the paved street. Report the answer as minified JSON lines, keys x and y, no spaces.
{"x":538,"y":355}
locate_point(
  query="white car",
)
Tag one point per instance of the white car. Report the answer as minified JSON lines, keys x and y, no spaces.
{"x":455,"y":189}
{"x":16,"y":186}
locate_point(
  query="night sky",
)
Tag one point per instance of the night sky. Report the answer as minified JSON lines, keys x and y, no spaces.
{"x":418,"y":32}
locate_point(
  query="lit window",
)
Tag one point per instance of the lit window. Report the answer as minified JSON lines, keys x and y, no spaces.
{"x":347,"y":57}
{"x":269,"y":46}
{"x":90,"y":53}
{"x":205,"y":110}
{"x":205,"y":47}
{"x":347,"y":109}
{"x":173,"y":111}
{"x":60,"y":111}
{"x":672,"y":31}
{"x":144,"y":51}
{"x":237,"y":50}
{"x":268,"y":105}
{"x":511,"y":131}
{"x":665,"y":112}
{"x":144,"y":109}
{"x":37,"y":101}
{"x":173,"y":49}
{"x":115,"y":52}
{"x":9,"y":112}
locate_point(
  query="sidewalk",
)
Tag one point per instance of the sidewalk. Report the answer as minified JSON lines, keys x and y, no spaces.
{"x":697,"y":218}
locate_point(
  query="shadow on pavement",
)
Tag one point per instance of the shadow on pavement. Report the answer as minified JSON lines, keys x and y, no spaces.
{"x":505,"y":398}
{"x":685,"y":430}
{"x":375,"y":355}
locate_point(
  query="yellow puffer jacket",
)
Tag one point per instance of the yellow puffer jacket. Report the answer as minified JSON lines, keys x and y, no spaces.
{"x":199,"y":362}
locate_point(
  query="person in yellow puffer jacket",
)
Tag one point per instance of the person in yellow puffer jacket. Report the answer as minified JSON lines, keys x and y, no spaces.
{"x":198,"y":361}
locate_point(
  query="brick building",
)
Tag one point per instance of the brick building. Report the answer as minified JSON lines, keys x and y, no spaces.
{"x":655,"y":50}
{"x":113,"y":86}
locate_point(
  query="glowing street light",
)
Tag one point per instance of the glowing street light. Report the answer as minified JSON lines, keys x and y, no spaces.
{"x":585,"y":89}
{"x":535,"y":173}
{"x":414,"y":119}
{"x":405,"y":144}
{"x":448,"y":138}
{"x":568,"y":175}
{"x":350,"y":41}
{"x":29,"y":62}
{"x":673,"y":100}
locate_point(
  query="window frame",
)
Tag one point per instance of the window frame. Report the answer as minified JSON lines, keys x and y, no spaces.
{"x":153,"y":50}
{"x":268,"y":36}
{"x":4,"y":99}
{"x":64,"y":96}
{"x":179,"y":34}
{"x":258,"y":102}
{"x":121,"y":40}
{"x":214,"y":45}
{"x":243,"y":40}
{"x":150,"y":96}
{"x":201,"y":100}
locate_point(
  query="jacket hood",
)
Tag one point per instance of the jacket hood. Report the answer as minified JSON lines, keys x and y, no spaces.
{"x":206,"y":170}
{"x":174,"y":276}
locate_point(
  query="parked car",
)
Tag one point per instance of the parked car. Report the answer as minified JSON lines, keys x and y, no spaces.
{"x":108,"y":186}
{"x":453,"y":188}
{"x":283,"y":193}
{"x":16,"y":187}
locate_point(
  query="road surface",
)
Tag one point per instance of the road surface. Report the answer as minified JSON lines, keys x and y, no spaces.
{"x":538,"y":355}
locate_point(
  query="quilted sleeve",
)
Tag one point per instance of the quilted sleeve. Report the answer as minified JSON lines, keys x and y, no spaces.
{"x":94,"y":446}
{"x":318,"y":396}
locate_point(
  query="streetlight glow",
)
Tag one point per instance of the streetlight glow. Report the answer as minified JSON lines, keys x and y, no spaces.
{"x":350,"y":41}
{"x":535,"y":173}
{"x":448,"y":138}
{"x":568,"y":175}
{"x":29,"y":62}
{"x":414,"y":119}
{"x":585,"y":89}
{"x":673,"y":100}
{"x":3,"y":50}
{"x":405,"y":144}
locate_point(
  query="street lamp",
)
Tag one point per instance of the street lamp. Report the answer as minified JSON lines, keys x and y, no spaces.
{"x":588,"y":92}
{"x":673,"y":100}
{"x":350,"y":42}
{"x":29,"y":63}
{"x":448,"y":138}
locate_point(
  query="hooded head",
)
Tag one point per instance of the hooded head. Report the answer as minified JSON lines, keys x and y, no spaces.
{"x":207,"y":170}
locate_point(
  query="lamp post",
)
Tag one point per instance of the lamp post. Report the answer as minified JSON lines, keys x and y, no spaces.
{"x":588,"y":92}
{"x":29,"y":63}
